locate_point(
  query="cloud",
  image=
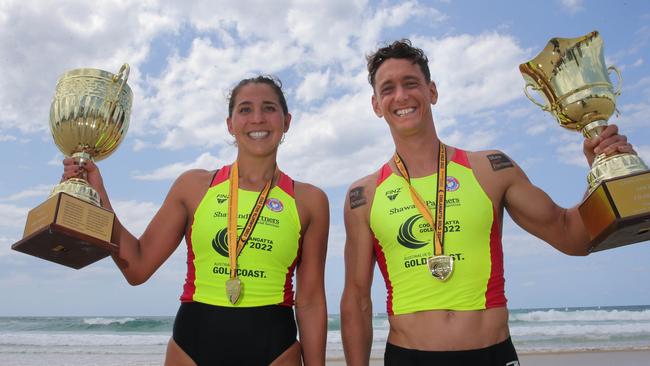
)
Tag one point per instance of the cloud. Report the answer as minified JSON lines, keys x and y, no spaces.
{"x":5,"y":245}
{"x":644,"y":152}
{"x":12,"y":217}
{"x":41,"y":191}
{"x":470,"y":75}
{"x":184,"y":105}
{"x":313,"y":86}
{"x":40,"y":42}
{"x":204,"y":161}
{"x":135,"y":215}
{"x":572,"y":6}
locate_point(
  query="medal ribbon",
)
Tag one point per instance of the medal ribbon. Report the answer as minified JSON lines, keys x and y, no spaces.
{"x":235,"y":245}
{"x":439,"y":226}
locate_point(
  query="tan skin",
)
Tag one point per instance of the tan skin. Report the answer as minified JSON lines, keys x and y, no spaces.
{"x":403,"y":98}
{"x":257,"y":109}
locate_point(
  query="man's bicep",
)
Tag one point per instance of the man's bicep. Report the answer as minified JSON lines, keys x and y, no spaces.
{"x":531,"y":208}
{"x":359,"y":255}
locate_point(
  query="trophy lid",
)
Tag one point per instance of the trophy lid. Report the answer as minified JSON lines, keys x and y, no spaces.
{"x":551,"y":56}
{"x":96,"y":73}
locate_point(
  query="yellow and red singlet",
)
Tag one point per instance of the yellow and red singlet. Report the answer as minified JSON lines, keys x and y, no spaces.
{"x":403,"y":242}
{"x":266,"y":264}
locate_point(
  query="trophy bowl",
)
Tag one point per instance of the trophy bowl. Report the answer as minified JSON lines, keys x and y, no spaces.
{"x":571,"y":76}
{"x":89,"y":117}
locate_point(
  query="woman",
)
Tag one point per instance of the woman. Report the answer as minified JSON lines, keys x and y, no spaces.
{"x":247,"y":227}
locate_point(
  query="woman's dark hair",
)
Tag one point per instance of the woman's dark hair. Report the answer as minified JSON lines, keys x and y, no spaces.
{"x":398,"y":49}
{"x":269,"y":80}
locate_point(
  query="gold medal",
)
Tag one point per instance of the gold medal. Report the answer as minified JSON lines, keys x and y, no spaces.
{"x":441,"y":266}
{"x":235,"y":245}
{"x":233,"y":289}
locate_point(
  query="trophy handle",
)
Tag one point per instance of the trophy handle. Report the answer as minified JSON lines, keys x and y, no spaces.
{"x":124,"y":74}
{"x":543,"y":106}
{"x":620,"y":79}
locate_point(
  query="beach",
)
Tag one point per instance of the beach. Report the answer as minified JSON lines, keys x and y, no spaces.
{"x":561,"y":336}
{"x":592,"y":358}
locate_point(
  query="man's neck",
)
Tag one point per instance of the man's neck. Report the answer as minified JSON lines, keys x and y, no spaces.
{"x":419,"y":152}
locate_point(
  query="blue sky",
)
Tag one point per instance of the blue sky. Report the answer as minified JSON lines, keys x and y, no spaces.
{"x":184,"y":59}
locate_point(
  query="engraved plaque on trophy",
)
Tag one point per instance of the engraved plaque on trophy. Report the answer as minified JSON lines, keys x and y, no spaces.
{"x":89,"y":117}
{"x":570,"y":74}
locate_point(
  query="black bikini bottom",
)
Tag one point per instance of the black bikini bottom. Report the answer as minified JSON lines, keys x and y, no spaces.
{"x":215,"y":335}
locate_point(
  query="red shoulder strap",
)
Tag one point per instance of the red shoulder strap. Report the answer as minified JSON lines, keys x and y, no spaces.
{"x":460,"y":157}
{"x":221,"y":176}
{"x":286,"y":184}
{"x":384,"y":173}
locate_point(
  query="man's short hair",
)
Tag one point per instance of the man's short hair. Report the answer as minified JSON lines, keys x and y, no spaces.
{"x":398,"y":49}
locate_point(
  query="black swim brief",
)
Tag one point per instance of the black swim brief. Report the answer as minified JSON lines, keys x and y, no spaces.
{"x":216,"y":335}
{"x":501,"y":354}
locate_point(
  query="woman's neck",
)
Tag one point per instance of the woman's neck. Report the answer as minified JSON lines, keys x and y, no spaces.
{"x":254,"y":172}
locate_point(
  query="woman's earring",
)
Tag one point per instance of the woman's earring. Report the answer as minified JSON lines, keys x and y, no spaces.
{"x":282,"y":139}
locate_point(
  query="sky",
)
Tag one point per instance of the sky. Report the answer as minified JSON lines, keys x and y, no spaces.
{"x":186,"y":56}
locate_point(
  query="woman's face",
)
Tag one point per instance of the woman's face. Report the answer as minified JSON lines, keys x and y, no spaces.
{"x":257,"y":120}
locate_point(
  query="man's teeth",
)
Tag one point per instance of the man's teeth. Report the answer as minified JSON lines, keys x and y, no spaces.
{"x":405,"y":111}
{"x":258,"y":134}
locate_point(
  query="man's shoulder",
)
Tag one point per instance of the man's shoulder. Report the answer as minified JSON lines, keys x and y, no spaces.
{"x":369,"y":180}
{"x":493,"y":160}
{"x":361,"y":191}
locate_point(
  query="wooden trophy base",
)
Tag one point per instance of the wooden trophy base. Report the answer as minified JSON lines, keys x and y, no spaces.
{"x":617,"y":212}
{"x":68,"y":231}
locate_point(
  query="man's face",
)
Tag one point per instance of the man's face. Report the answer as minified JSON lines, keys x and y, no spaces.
{"x":401,"y":95}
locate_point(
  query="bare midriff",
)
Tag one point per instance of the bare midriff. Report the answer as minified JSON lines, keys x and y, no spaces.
{"x":447,"y":330}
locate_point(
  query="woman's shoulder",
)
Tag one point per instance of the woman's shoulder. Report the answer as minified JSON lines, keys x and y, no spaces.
{"x":194,"y":178}
{"x":309,"y":192}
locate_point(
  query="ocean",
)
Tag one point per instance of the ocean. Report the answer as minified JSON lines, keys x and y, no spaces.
{"x":141,"y":340}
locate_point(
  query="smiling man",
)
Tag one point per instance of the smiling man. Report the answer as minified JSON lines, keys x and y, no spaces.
{"x":431,"y":218}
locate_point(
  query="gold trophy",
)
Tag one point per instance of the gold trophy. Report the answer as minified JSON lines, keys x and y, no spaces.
{"x":89,"y":117}
{"x":571,"y":75}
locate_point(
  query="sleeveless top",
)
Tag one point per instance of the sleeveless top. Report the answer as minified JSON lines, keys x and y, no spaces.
{"x":404,"y":241}
{"x":267,"y":262}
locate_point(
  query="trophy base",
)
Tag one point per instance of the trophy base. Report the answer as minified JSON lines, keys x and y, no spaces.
{"x":617,"y":212}
{"x":68,"y":231}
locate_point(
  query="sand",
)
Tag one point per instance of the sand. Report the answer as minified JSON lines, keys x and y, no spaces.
{"x":591,"y":358}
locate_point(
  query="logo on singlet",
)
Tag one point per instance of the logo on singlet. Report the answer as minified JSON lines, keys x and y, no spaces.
{"x":452,"y":184}
{"x":220,"y":242}
{"x":221,"y":198}
{"x":391,"y":194}
{"x":274,"y":204}
{"x":405,"y":236}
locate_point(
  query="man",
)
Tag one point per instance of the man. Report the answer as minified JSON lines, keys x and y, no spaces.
{"x":445,"y":296}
